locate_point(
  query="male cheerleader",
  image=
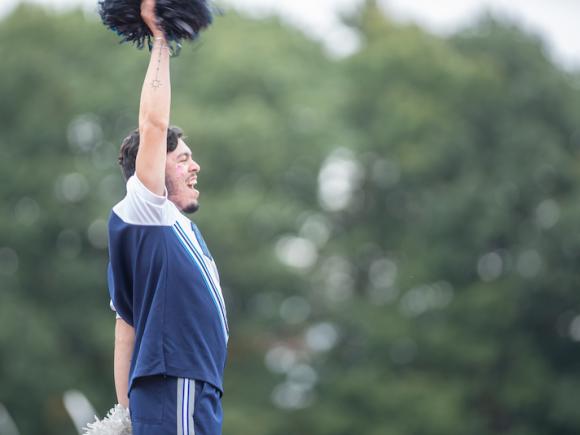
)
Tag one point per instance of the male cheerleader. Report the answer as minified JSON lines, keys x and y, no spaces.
{"x":171,"y":330}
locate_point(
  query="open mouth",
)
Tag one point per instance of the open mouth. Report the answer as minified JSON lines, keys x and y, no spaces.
{"x":192,"y":183}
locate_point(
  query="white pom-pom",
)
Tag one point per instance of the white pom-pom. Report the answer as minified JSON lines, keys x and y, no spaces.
{"x":117,"y":422}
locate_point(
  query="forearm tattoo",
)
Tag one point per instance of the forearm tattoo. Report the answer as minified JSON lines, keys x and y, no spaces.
{"x":156,"y":83}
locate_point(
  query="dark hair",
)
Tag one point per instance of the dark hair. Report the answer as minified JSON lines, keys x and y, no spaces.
{"x":130,"y":146}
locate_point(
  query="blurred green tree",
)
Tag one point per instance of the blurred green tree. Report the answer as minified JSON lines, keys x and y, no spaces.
{"x":395,"y":230}
{"x":449,"y":274}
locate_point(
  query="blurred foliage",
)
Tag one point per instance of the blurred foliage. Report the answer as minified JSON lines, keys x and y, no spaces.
{"x":396,"y":231}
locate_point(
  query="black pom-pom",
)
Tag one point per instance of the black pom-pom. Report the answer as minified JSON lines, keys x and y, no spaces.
{"x":179,"y":19}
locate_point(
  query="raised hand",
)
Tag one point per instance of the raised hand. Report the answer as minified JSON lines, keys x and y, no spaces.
{"x":150,"y":18}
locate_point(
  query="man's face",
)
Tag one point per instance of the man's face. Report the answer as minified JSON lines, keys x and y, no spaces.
{"x":181,"y":177}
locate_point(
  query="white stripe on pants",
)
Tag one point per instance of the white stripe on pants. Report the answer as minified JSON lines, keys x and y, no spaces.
{"x":185,"y":406}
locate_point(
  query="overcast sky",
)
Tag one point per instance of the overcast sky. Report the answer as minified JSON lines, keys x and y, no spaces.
{"x":556,"y":20}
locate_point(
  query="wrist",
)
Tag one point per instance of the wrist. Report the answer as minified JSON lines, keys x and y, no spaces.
{"x":160,"y":43}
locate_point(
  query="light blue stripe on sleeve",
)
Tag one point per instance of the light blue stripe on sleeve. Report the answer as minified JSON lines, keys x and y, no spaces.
{"x":207,"y":280}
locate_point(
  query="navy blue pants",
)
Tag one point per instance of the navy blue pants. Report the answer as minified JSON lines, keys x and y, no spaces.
{"x":165,"y":405}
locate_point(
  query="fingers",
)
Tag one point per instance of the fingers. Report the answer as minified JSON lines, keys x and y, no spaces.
{"x":149,"y":17}
{"x":148,"y":11}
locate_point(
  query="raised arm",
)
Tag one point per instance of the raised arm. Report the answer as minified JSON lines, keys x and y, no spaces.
{"x":154,"y":108}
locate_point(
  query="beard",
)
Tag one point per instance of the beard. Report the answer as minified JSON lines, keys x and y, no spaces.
{"x":172,"y":190}
{"x":191,"y":208}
